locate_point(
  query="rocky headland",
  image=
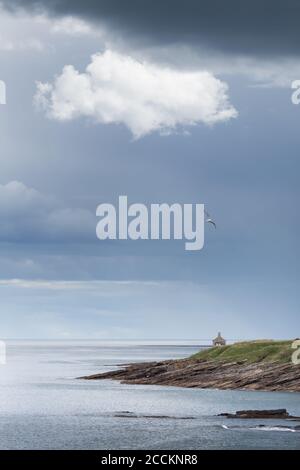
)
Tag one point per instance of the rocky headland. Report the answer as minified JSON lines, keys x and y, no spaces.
{"x":256,"y":365}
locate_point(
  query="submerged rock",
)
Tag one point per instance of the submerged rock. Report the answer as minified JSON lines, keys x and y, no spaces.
{"x":129,"y":414}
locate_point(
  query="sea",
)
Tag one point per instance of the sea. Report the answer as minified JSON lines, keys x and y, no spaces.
{"x":43,"y":404}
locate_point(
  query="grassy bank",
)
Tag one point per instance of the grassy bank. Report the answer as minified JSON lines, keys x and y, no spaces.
{"x":250,"y":352}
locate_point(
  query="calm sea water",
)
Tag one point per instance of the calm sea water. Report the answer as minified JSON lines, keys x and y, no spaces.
{"x":44,"y":406}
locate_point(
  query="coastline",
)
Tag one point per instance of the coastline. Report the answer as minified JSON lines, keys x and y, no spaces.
{"x":199,"y":373}
{"x":224,"y":368}
{"x":95,"y":414}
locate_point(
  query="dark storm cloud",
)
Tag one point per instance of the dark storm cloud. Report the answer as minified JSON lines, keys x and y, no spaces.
{"x":256,"y":26}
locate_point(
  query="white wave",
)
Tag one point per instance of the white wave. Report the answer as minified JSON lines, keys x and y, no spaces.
{"x":274,"y":428}
{"x":261,"y":428}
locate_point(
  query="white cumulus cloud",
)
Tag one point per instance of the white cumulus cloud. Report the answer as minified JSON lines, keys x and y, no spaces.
{"x":116,"y":88}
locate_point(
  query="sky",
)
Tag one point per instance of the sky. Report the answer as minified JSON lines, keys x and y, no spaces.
{"x":186,"y":102}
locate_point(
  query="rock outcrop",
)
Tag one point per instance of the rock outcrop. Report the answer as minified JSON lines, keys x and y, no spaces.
{"x":261,"y":414}
{"x":201,"y":373}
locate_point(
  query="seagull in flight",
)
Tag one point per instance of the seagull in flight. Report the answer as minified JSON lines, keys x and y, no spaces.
{"x":209,"y":220}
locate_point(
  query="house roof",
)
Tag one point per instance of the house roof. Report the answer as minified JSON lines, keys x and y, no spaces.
{"x":219,"y":338}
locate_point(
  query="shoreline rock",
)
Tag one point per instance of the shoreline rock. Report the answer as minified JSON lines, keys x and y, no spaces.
{"x":193,"y":373}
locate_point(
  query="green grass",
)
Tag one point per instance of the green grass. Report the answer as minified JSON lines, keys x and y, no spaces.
{"x":249,"y":351}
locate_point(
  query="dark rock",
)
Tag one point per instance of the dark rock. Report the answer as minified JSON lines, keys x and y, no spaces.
{"x":128,"y":414}
{"x":260,"y":414}
{"x":209,"y":374}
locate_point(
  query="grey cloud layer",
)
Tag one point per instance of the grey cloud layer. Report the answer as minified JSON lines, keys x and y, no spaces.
{"x":260,"y":26}
{"x":27,"y":215}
